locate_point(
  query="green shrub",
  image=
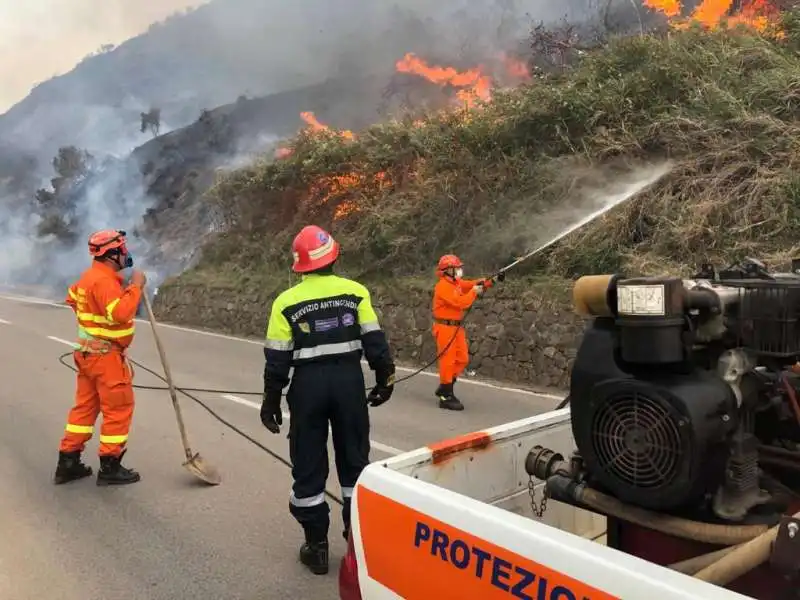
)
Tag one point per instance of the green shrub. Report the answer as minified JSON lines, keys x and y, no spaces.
{"x":721,"y":106}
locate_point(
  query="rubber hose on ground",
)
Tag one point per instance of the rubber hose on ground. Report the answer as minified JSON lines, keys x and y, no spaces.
{"x":726,"y":535}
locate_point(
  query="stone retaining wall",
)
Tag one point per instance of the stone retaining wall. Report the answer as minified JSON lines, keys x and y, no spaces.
{"x":520,"y":333}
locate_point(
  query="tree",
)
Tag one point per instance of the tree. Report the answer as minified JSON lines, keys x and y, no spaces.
{"x":57,"y":208}
{"x":152,"y":120}
{"x":71,"y":162}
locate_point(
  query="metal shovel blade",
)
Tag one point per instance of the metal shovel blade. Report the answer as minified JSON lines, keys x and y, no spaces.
{"x":202,"y":470}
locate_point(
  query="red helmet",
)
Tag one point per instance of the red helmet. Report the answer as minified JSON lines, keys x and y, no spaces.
{"x":101,"y":242}
{"x":448,"y":261}
{"x":313,"y":248}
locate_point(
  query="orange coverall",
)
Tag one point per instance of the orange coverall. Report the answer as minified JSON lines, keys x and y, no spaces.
{"x":450,"y":300}
{"x":105,"y":314}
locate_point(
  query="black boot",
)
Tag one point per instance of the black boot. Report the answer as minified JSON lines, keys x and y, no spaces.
{"x":314,"y":555}
{"x":70,"y":468}
{"x":447,"y":399}
{"x":113,"y":473}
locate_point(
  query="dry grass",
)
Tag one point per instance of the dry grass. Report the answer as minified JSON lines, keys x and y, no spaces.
{"x":723,"y":106}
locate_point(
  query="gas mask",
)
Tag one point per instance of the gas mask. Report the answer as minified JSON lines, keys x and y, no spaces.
{"x":124,"y":259}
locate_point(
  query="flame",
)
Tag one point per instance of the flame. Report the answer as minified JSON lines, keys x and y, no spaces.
{"x":757,"y":14}
{"x":515,"y":68}
{"x":760,"y":14}
{"x":330,"y":187}
{"x":345,"y":208}
{"x":473,"y":85}
{"x":283,"y":153}
{"x":669,"y":8}
{"x":711,"y":12}
{"x":313,"y":123}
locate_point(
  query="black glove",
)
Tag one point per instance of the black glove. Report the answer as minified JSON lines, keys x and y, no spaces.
{"x":501,"y":277}
{"x":384,"y":386}
{"x":271,"y":415}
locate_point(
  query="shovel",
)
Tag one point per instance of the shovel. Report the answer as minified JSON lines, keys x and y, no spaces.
{"x":194,"y":462}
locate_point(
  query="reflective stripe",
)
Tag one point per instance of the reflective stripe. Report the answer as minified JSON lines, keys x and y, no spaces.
{"x":282,"y":345}
{"x":323,"y":250}
{"x":326,"y":350}
{"x":72,"y":294}
{"x":347,"y":492}
{"x":95,"y":318}
{"x":367,"y":327}
{"x":79,"y":428}
{"x":307,"y":502}
{"x":110,"y":310}
{"x":113,"y":439}
{"x":106,"y":333}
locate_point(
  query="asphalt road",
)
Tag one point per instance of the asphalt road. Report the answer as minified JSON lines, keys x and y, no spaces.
{"x":168,"y":537}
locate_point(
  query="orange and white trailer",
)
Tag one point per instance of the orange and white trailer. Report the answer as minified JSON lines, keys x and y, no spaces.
{"x":458,"y":520}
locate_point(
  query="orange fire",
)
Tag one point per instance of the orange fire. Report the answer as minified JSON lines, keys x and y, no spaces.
{"x":670,"y":8}
{"x":330,"y":187}
{"x":758,"y":14}
{"x":315,"y":125}
{"x":472,"y":85}
{"x":515,"y":68}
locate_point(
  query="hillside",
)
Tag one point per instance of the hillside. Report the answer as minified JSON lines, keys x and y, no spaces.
{"x":210,"y":56}
{"x":721,"y":105}
{"x":157,"y":191}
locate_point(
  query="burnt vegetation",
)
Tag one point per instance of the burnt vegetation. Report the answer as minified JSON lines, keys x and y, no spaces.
{"x":722,"y":105}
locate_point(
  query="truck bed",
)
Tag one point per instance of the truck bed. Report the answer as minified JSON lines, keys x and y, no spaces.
{"x":493,"y":471}
{"x":460,"y":512}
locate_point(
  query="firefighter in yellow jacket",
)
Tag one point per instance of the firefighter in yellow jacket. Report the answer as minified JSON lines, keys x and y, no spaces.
{"x":321,"y":327}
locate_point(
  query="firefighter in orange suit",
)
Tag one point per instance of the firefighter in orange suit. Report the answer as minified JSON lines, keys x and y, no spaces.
{"x":451,"y":297}
{"x":105,"y":312}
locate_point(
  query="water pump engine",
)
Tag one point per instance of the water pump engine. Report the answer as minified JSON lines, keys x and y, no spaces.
{"x":682,"y":391}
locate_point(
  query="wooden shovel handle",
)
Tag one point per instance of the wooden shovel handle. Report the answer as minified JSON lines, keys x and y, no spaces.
{"x":167,"y":375}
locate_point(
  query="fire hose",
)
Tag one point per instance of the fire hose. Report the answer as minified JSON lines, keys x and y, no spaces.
{"x":413,"y":374}
{"x":186,"y":391}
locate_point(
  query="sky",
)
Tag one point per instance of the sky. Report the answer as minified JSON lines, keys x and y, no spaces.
{"x":43,"y":38}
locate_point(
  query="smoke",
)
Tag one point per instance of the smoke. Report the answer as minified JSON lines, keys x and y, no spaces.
{"x":576,"y":195}
{"x":197,"y":61}
{"x":247,"y":150}
{"x":112,"y":193}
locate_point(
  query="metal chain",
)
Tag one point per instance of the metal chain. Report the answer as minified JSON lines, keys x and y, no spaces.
{"x":538,"y":512}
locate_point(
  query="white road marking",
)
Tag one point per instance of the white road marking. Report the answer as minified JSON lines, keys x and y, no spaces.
{"x":4,"y":322}
{"x":29,"y":300}
{"x":232,"y":338}
{"x":377,"y":445}
{"x":60,"y":341}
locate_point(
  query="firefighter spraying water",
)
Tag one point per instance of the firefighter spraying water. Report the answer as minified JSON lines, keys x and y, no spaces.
{"x":454,"y":296}
{"x":321,"y":327}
